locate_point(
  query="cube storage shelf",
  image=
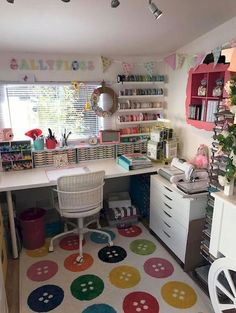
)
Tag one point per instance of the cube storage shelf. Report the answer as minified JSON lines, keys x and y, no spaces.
{"x":201,"y":105}
{"x":78,"y":154}
{"x":46,"y":157}
{"x":16,"y":155}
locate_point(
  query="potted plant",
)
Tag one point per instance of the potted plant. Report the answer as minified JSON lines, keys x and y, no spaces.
{"x":38,"y":138}
{"x":227,"y":141}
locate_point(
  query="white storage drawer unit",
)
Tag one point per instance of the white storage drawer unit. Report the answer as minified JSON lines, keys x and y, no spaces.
{"x":171,"y":212}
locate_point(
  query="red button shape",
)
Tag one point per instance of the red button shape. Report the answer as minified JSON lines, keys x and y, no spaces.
{"x":132,"y":231}
{"x":140,"y":301}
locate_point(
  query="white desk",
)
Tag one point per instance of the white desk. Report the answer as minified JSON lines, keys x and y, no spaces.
{"x":35,"y":178}
{"x":223,"y":231}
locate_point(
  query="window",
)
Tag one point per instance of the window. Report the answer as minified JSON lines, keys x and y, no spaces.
{"x":56,"y":106}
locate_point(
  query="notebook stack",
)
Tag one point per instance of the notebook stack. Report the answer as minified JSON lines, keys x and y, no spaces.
{"x":134,"y":161}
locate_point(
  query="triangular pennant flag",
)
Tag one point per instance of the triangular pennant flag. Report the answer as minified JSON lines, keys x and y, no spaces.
{"x":228,"y":53}
{"x":106,"y":62}
{"x":127,"y":68}
{"x":190,"y":61}
{"x":232,"y":66}
{"x":199,"y":58}
{"x":216,"y":54}
{"x":171,"y":60}
{"x":180,"y":58}
{"x":149,"y":67}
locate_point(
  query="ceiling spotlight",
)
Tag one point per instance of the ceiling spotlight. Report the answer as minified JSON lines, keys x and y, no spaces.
{"x":115,"y":3}
{"x":154,"y":9}
{"x":66,"y":0}
{"x":10,"y":1}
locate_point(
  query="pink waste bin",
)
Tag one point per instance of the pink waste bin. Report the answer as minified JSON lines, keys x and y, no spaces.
{"x":32,"y":222}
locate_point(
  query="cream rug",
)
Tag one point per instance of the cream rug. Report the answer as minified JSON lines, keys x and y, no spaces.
{"x":135,"y":275}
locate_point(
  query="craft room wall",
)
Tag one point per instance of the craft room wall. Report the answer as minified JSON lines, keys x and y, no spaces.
{"x":191,"y":137}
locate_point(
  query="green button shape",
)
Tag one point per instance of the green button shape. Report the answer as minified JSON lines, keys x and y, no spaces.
{"x":87,"y":287}
{"x":142,"y":246}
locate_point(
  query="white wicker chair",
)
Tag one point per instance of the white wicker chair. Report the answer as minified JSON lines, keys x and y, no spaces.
{"x":81,"y":196}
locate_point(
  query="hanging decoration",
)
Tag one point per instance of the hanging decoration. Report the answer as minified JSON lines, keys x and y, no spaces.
{"x":149,"y":67}
{"x":190,"y":61}
{"x":127,"y":68}
{"x":180,"y":58}
{"x":216,"y":54}
{"x":95,"y":100}
{"x":171,"y":60}
{"x":199,"y":58}
{"x":77,"y":87}
{"x":106,"y":62}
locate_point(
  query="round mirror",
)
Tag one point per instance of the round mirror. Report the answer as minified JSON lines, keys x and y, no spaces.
{"x":104,"y":101}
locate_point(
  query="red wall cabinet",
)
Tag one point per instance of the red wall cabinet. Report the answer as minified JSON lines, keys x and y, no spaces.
{"x":202,"y":104}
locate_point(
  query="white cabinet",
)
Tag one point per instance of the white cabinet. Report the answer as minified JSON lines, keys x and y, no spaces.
{"x":223,"y":230}
{"x":171,"y":213}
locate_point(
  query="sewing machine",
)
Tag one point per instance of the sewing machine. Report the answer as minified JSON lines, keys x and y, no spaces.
{"x":185,"y":176}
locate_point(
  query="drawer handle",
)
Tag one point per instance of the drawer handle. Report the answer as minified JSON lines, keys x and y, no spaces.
{"x":169,"y":207}
{"x":168,"y":197}
{"x":166,"y":234}
{"x":168,"y":189}
{"x":167,"y":213}
{"x":167,"y":224}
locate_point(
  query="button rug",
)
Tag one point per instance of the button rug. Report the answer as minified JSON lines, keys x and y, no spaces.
{"x":136,"y":275}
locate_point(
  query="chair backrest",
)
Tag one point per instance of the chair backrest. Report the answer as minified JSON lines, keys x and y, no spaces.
{"x":81,"y":192}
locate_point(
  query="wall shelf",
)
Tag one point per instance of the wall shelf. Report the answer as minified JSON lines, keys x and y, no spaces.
{"x":201,"y":107}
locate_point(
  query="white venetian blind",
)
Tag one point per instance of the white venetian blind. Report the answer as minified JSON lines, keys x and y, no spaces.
{"x":55,"y":106}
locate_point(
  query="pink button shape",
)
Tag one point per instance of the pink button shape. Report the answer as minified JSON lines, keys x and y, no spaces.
{"x":42,"y":270}
{"x":159,"y":268}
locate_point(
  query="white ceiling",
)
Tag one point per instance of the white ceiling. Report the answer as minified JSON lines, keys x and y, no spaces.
{"x":92,"y":27}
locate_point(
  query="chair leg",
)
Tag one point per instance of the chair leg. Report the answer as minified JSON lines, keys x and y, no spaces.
{"x":50,"y":248}
{"x":110,"y":242}
{"x":79,"y":259}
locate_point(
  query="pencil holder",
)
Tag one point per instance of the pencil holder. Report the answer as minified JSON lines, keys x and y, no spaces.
{"x":51,"y":143}
{"x":38,"y":144}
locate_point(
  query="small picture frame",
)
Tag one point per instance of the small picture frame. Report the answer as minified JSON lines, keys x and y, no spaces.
{"x":60,"y":160}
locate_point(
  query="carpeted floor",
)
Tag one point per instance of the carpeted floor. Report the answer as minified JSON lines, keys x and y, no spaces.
{"x":135,"y":275}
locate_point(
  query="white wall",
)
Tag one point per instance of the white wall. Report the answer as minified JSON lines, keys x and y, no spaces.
{"x":190,"y":137}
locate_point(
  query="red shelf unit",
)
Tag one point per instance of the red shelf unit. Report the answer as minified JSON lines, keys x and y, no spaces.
{"x":202,"y":105}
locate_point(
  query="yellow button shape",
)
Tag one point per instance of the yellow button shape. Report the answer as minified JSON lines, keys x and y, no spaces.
{"x":124,"y":276}
{"x":178,"y":294}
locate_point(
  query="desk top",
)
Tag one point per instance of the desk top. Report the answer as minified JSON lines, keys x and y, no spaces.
{"x":40,"y":177}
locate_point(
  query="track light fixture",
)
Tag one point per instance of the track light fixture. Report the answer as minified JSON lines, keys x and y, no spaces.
{"x":115,"y":3}
{"x":10,"y":1}
{"x":154,"y":9}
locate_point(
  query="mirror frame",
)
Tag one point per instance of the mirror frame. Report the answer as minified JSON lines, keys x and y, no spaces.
{"x":95,"y":100}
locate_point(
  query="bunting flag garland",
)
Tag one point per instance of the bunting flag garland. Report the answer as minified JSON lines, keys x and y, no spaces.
{"x":177,"y":60}
{"x":106,"y":62}
{"x":149,"y":67}
{"x":171,"y":60}
{"x":127,"y":68}
{"x":216,"y":54}
{"x":180,"y":58}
